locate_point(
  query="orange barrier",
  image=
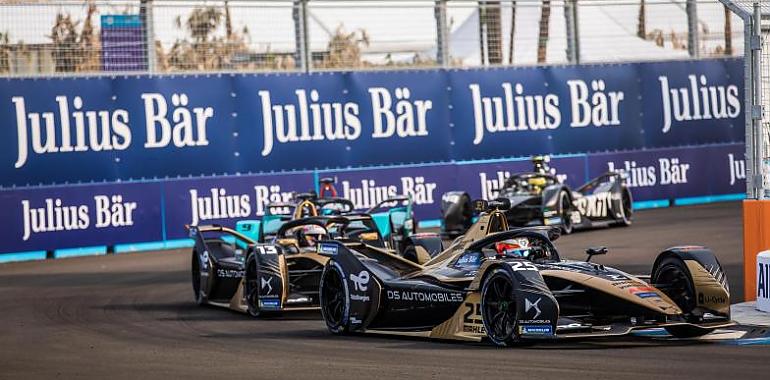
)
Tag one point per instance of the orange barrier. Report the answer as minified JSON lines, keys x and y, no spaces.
{"x":756,"y":238}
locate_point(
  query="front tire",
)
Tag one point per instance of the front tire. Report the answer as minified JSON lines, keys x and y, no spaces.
{"x":196,"y":279}
{"x":251,"y":286}
{"x":499,"y":311}
{"x":673,"y":278}
{"x":335,"y":305}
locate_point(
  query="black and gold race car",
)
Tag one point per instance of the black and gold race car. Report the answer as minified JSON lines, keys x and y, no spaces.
{"x":511,"y":286}
{"x":232,"y":269}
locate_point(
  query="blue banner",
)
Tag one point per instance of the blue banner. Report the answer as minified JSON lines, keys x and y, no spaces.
{"x":79,"y":130}
{"x":86,"y":215}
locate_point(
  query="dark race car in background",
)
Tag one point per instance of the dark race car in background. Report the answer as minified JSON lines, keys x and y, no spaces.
{"x":511,"y":286}
{"x":539,"y":198}
{"x":232,"y":270}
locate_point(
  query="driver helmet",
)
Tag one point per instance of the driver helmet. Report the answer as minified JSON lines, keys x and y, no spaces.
{"x":310,"y":234}
{"x":513,"y":247}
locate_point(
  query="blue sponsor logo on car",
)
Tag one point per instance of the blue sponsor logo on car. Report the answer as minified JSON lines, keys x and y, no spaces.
{"x":329,"y":249}
{"x":269,"y":303}
{"x":536,"y":329}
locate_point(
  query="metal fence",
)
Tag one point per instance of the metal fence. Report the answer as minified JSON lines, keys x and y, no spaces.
{"x":756,"y":18}
{"x":163,"y":36}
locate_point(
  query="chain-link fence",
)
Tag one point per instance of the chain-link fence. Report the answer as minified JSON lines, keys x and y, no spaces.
{"x":161,"y":36}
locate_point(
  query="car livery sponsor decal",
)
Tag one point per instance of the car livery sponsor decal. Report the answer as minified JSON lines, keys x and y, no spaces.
{"x":271,"y":303}
{"x":329,"y":249}
{"x":265,"y":284}
{"x":360,"y":283}
{"x":229,"y":273}
{"x":532,"y":305}
{"x":643,"y":292}
{"x":424,"y":296}
{"x":535,"y":329}
{"x":472,"y":319}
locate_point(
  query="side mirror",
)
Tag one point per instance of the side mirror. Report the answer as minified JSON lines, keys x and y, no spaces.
{"x":593,"y":251}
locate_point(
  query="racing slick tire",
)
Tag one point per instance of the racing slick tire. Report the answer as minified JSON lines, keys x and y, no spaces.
{"x":410,"y":253}
{"x":196,"y":279}
{"x":335,"y":304}
{"x":673,"y":278}
{"x":499,"y":311}
{"x":626,"y":208}
{"x":251,"y":286}
{"x":565,"y":211}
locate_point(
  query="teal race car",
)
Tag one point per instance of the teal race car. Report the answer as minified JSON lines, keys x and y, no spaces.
{"x":393,"y":217}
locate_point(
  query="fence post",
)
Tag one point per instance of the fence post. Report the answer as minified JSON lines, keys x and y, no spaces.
{"x":302,"y":46}
{"x":442,"y":34}
{"x":146,"y":15}
{"x":573,"y":40}
{"x":693,"y":42}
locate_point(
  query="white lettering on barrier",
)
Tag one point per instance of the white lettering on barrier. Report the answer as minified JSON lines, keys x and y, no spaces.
{"x":110,"y":211}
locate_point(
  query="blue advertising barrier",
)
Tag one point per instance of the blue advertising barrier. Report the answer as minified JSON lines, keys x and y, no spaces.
{"x":86,"y":215}
{"x":127,"y":159}
{"x":80,"y":130}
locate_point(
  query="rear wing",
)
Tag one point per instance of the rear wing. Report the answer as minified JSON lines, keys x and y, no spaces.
{"x":196,"y":232}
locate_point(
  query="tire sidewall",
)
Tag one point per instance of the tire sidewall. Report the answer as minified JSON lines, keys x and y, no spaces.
{"x":252,"y":308}
{"x":676,"y":261}
{"x":566,"y":223}
{"x":334,"y":269}
{"x":513,"y":338}
{"x":197,"y":277}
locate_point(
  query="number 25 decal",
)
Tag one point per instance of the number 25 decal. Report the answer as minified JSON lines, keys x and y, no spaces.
{"x":522,"y":265}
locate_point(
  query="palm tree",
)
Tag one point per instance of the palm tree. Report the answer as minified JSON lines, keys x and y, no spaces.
{"x":542,"y":40}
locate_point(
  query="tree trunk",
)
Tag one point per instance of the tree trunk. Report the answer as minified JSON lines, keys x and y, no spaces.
{"x":728,"y":32}
{"x":641,"y":27}
{"x":513,"y":30}
{"x":542,"y":40}
{"x":228,"y":22}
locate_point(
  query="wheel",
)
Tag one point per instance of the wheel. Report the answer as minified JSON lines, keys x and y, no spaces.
{"x":498,"y":308}
{"x":196,"y":279}
{"x":410,"y":253}
{"x":334,"y":299}
{"x":565,"y":211}
{"x":626,"y":208}
{"x":673,"y":279}
{"x":251,"y":286}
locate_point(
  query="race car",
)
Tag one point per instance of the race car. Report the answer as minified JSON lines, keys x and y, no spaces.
{"x":539,"y":198}
{"x":230,"y":269}
{"x":277,"y":213}
{"x":510,"y":286}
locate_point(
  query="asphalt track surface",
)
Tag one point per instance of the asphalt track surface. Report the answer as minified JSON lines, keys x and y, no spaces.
{"x":132,"y":316}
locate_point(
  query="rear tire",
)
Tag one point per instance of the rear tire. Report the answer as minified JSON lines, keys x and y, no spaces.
{"x":335,"y":305}
{"x":565,"y":211}
{"x":251,"y":286}
{"x":673,"y":278}
{"x":499,"y":311}
{"x":410,"y":253}
{"x":626,"y":208}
